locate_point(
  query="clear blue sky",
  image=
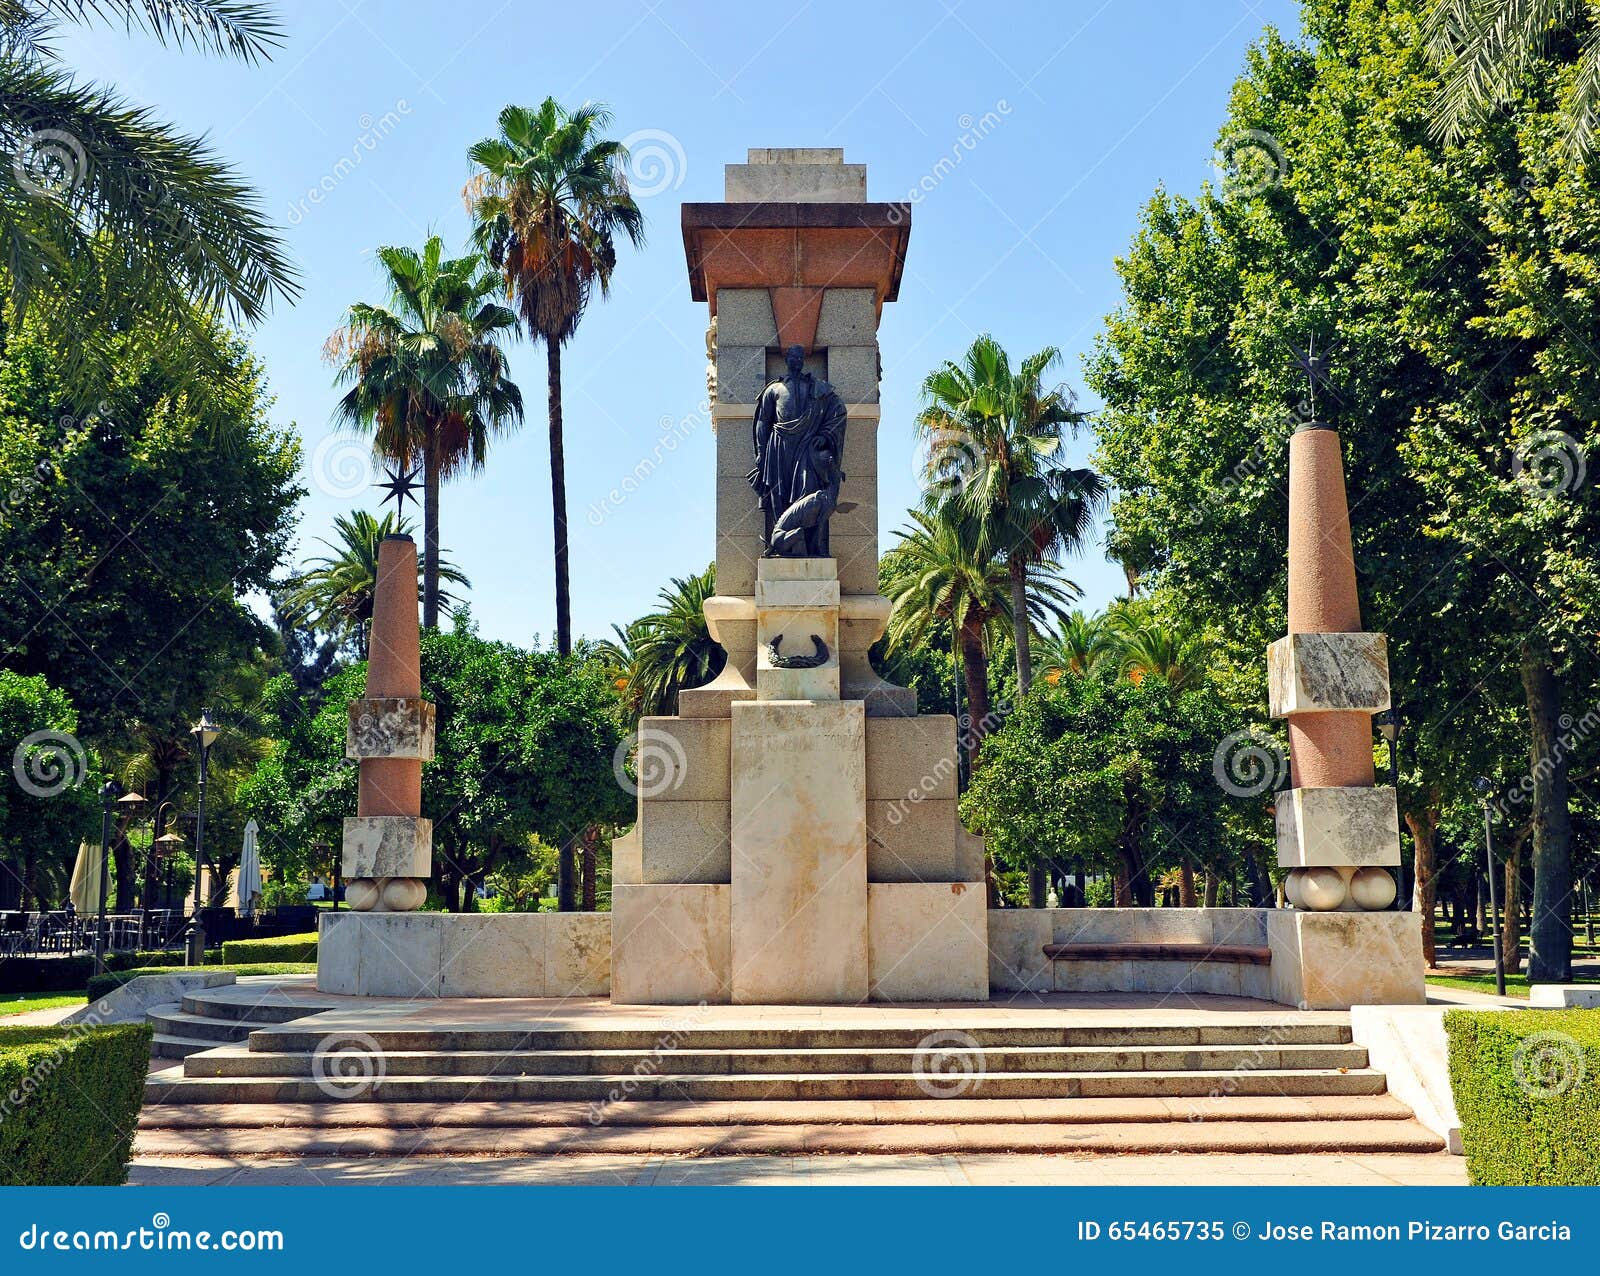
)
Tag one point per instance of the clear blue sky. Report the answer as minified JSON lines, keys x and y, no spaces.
{"x":372,"y":103}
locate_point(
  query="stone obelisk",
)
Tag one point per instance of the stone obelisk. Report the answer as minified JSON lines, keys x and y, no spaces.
{"x":388,"y":844}
{"x":1337,"y":832}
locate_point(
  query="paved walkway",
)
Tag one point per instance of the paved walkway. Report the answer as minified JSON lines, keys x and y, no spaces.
{"x":1356,"y":1170}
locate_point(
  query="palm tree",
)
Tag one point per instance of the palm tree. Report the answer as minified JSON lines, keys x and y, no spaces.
{"x":1485,"y":48}
{"x":995,"y":442}
{"x":1078,"y":646}
{"x":106,"y":211}
{"x":548,"y":207}
{"x":427,"y":376}
{"x":940,"y":574}
{"x":1147,"y":645}
{"x":662,"y":653}
{"x":334,"y":593}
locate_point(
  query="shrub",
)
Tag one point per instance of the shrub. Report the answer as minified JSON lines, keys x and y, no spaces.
{"x":1527,"y":1087}
{"x":69,"y":1103}
{"x":284,"y":948}
{"x":45,"y":974}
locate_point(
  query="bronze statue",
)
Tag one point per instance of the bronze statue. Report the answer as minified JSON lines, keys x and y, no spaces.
{"x":799,"y":442}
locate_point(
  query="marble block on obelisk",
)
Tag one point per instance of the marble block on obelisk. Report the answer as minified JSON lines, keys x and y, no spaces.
{"x":799,"y":897}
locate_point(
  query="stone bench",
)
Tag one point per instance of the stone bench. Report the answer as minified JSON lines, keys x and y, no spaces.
{"x":1237,"y":954}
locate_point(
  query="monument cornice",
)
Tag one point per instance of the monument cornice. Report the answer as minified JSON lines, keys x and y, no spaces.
{"x":795,"y":245}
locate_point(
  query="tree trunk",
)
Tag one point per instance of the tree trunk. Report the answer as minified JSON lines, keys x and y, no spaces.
{"x":1511,"y":920}
{"x":975,"y":670}
{"x":430,"y":531}
{"x":30,"y":878}
{"x":566,"y":876}
{"x":558,"y":507}
{"x":122,"y":858}
{"x":1017,"y":569}
{"x":1424,"y":826}
{"x":591,"y":866}
{"x":1209,"y":892}
{"x":1550,"y":930}
{"x":1185,"y":885}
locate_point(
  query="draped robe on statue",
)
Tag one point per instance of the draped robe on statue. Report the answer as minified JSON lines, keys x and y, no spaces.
{"x":799,"y":444}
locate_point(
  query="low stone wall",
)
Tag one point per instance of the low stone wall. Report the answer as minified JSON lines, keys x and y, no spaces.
{"x":1017,"y":937}
{"x":465,"y":954}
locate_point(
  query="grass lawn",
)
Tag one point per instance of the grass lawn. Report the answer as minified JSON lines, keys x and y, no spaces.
{"x":20,"y":1003}
{"x":1516,"y":985}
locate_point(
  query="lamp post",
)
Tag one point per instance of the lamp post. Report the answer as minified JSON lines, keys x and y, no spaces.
{"x":1485,"y":787}
{"x":108,"y":800}
{"x":129,"y":803}
{"x":1388,"y":724}
{"x":205,"y":733}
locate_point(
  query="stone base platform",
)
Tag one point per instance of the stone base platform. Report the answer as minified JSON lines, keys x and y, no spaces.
{"x":464,"y":954}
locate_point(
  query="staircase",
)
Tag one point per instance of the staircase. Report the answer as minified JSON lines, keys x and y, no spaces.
{"x":255,"y":1082}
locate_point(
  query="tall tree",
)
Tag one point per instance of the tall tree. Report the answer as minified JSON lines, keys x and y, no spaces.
{"x":995,"y":440}
{"x":427,"y":376}
{"x":108,"y":214}
{"x":666,"y":651}
{"x":1486,"y":48}
{"x":1447,"y":284}
{"x":549,"y":205}
{"x":940,"y":574}
{"x":333,"y":594}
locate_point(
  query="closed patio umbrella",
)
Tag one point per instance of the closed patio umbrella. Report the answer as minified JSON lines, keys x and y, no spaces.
{"x":85,"y":888}
{"x":249,"y":879}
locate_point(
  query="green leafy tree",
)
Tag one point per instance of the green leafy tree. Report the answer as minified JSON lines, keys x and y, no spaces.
{"x":107,"y":213}
{"x":942,"y":575}
{"x":130,"y":537}
{"x":526,"y":745}
{"x":427,"y":377}
{"x":662,"y":653}
{"x":333,"y":594}
{"x":49,"y":803}
{"x":1104,"y":774}
{"x":1488,"y":49}
{"x":1448,"y":285}
{"x":995,"y":438}
{"x":549,"y":205}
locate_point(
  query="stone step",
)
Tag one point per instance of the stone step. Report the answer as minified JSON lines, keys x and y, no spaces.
{"x":769,"y":1087}
{"x":1164,"y":1136}
{"x":628,"y":1112}
{"x":236,"y":1062}
{"x":172,"y":1022}
{"x":306,"y":1038}
{"x":265,"y":1005}
{"x":168,"y":1046}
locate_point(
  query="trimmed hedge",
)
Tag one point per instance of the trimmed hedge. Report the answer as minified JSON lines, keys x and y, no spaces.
{"x":69,"y":1103}
{"x":71,"y":974}
{"x":285,"y":948}
{"x":1527,"y":1088}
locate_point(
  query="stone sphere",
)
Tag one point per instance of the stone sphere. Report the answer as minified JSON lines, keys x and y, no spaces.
{"x":404,"y":894}
{"x":1291,"y":888}
{"x":361,"y":894}
{"x":1322,"y":889}
{"x":1372,"y":889}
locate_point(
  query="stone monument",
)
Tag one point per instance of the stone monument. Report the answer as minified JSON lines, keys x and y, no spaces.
{"x":388,"y":843}
{"x":1338,"y":833}
{"x":797,"y":839}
